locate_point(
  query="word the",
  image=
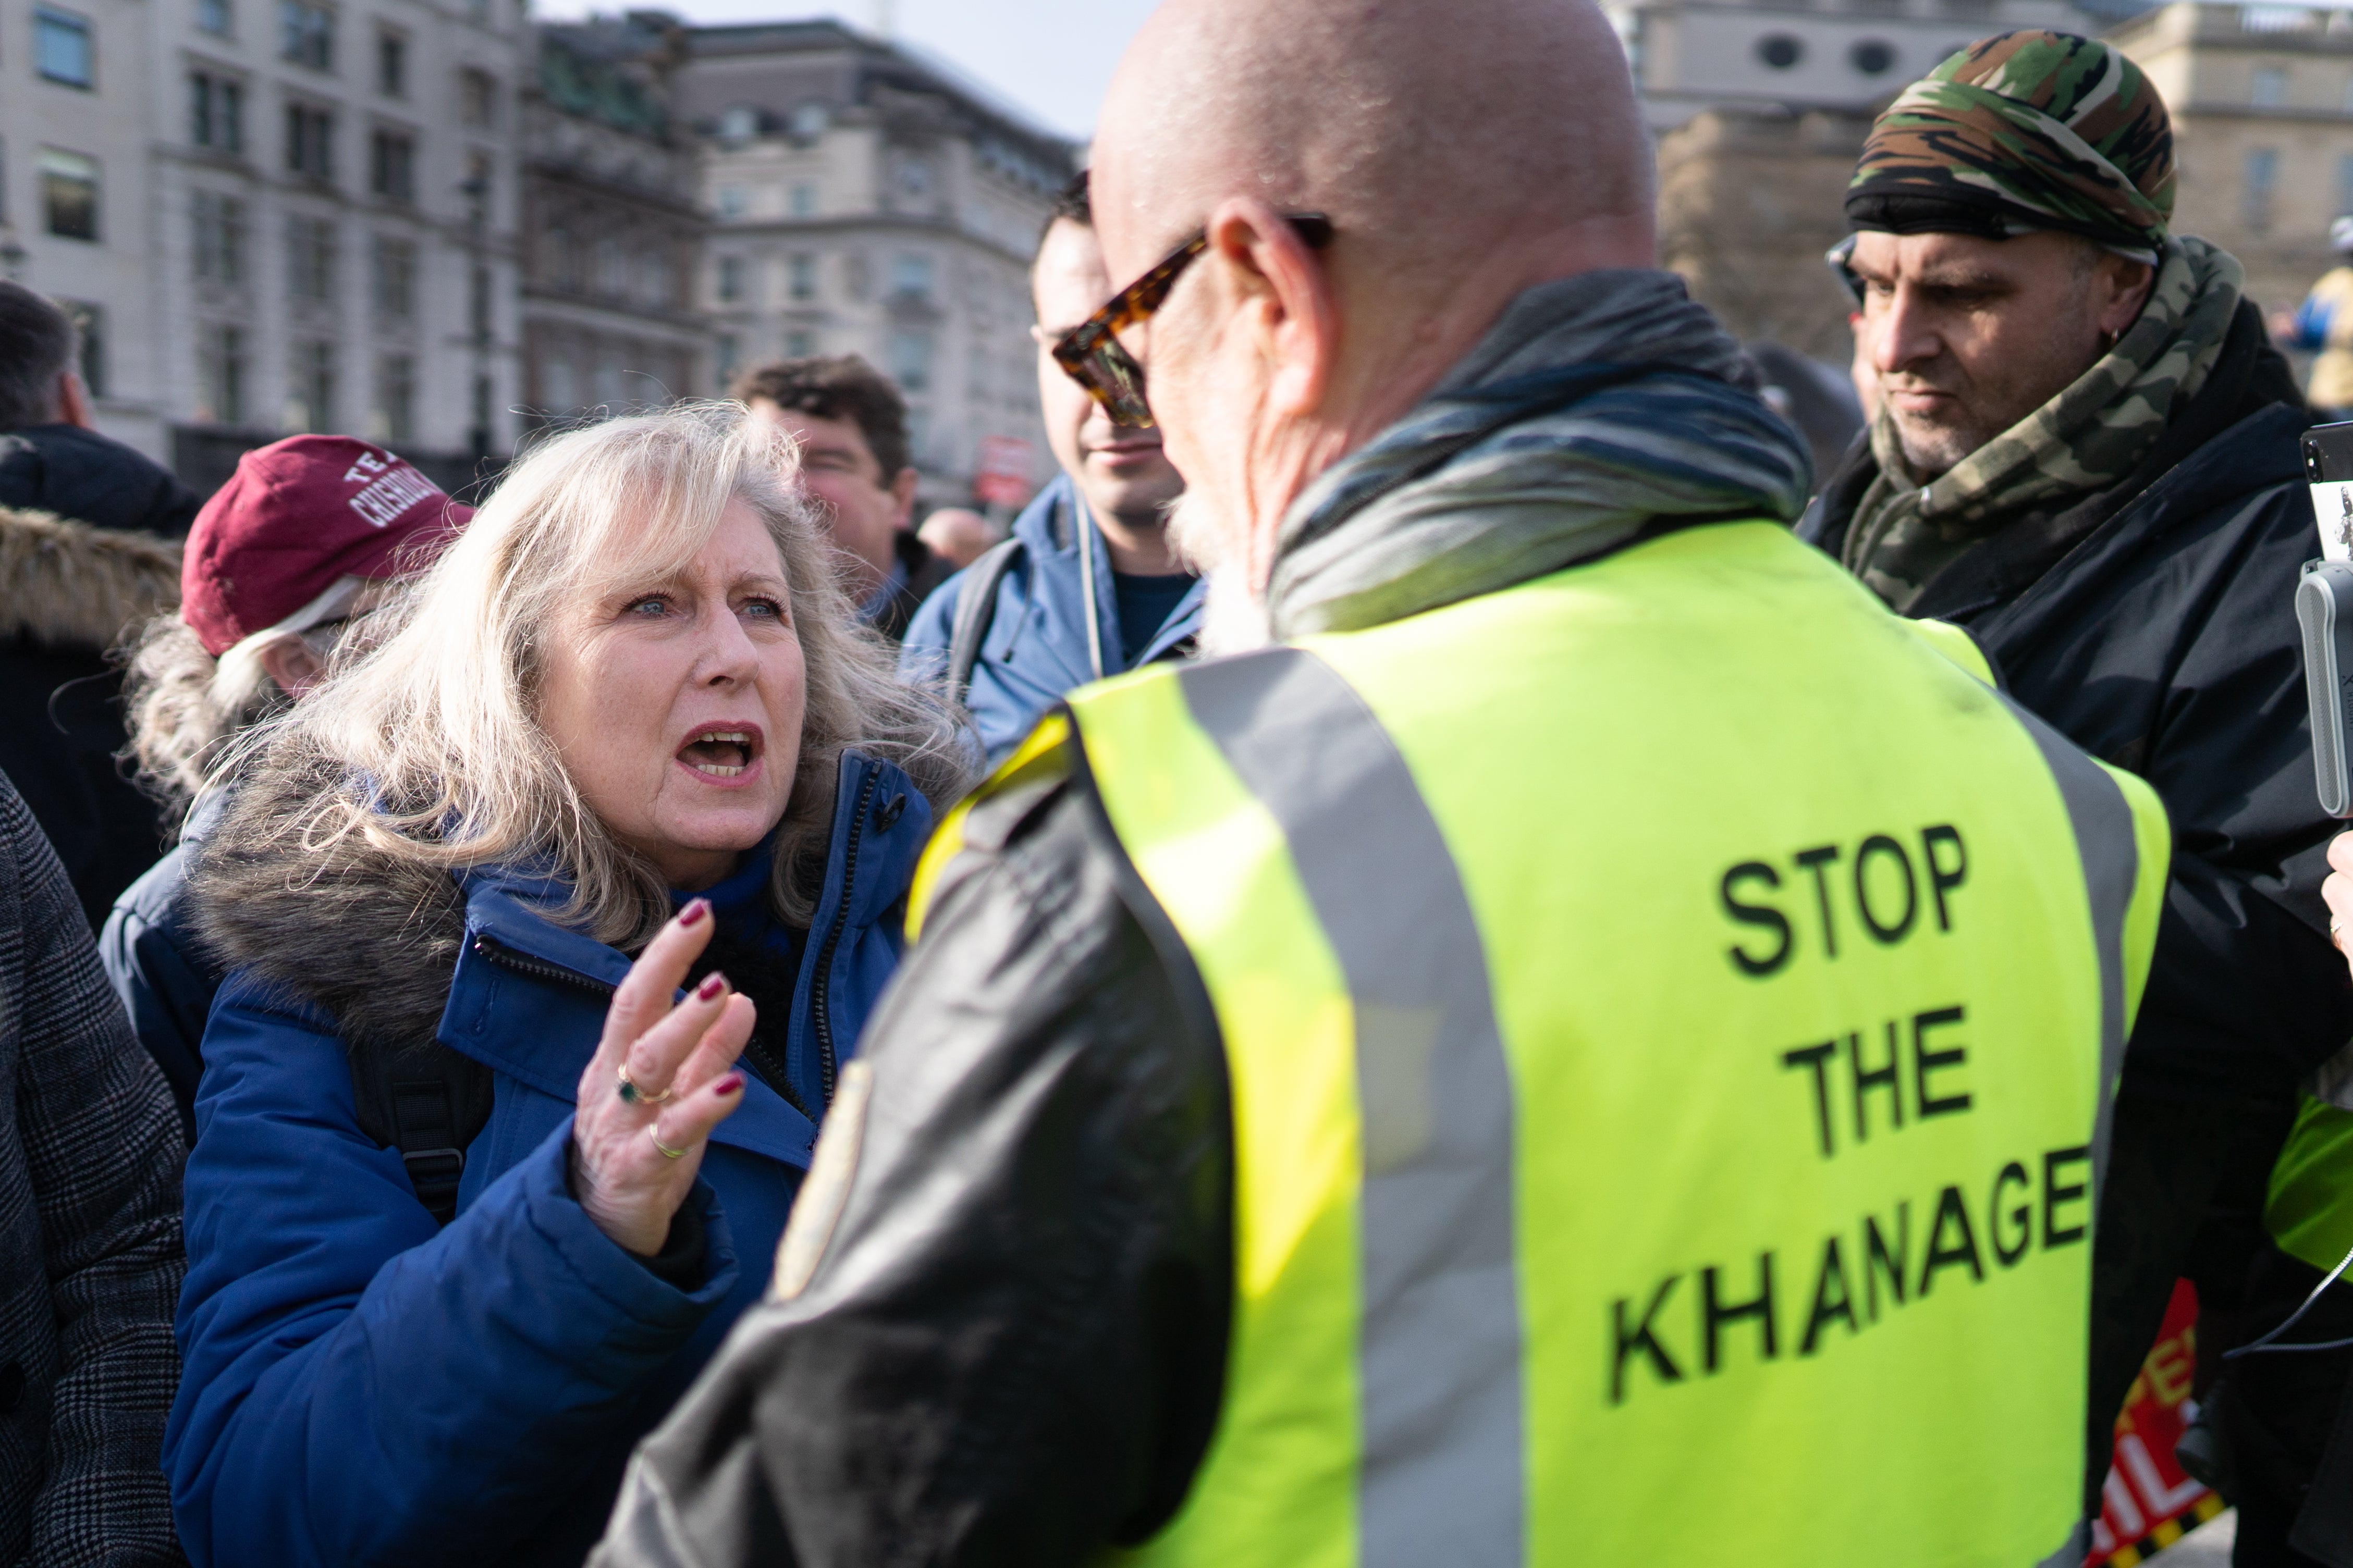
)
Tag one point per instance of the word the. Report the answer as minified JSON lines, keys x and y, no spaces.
{"x":1929,"y":1096}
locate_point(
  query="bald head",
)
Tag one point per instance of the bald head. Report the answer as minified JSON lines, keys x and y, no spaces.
{"x":1433,"y":132}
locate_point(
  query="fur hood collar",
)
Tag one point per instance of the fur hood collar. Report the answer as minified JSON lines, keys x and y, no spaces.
{"x":370,"y":939}
{"x":69,"y":583}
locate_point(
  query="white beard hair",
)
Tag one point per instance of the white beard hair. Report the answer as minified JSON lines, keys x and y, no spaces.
{"x":1234,"y":618}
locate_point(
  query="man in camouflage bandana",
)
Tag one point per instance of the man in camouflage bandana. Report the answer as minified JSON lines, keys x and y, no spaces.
{"x":2086,"y":455}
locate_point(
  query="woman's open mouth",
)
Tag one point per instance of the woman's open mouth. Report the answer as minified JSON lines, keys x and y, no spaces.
{"x":723,"y":753}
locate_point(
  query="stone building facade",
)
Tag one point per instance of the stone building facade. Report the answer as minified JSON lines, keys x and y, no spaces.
{"x":304,"y":215}
{"x":613,"y":227}
{"x":864,"y":200}
{"x":2262,"y":98}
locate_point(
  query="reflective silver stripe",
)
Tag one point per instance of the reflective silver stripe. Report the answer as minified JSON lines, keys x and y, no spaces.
{"x":1443,"y":1462}
{"x":2110,"y":851}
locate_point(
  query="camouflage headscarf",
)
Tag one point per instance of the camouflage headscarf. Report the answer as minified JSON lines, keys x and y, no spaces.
{"x":2089,"y":437}
{"x":2023,"y":132}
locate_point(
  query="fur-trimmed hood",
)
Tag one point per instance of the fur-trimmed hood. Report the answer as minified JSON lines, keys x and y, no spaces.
{"x":370,"y":939}
{"x":65,"y":584}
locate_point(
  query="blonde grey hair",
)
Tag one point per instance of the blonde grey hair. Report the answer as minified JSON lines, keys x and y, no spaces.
{"x":429,"y":735}
{"x":186,"y":706}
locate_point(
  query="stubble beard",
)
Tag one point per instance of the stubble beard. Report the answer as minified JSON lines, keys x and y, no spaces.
{"x":1234,"y":617}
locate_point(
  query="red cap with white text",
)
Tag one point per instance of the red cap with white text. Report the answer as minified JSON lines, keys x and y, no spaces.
{"x":298,"y":529}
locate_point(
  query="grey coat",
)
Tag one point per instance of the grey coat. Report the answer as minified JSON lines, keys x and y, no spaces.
{"x":90,"y":1237}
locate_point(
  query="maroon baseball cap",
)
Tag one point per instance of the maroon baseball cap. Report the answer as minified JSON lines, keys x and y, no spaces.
{"x":297,"y":527}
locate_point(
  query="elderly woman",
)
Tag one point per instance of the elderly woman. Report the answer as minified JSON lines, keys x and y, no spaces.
{"x":628,"y":713}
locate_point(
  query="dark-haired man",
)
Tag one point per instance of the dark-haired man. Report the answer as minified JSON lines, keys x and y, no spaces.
{"x":2086,"y":454}
{"x":1089,"y":585}
{"x":87,"y":533}
{"x":851,"y":424}
{"x":51,"y":459}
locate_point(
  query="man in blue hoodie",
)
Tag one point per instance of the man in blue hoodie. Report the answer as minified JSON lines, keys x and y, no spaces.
{"x":1087,"y":586}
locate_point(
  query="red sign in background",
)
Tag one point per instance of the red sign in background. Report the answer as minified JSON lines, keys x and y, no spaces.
{"x":2148,"y":1503}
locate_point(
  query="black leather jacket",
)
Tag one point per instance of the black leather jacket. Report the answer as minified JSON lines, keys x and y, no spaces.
{"x":1016,"y":1350}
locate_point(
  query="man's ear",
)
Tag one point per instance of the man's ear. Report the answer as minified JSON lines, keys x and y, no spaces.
{"x":73,"y":403}
{"x":1280,"y":279}
{"x":291,"y":664}
{"x":903,"y":496}
{"x":2128,"y":284}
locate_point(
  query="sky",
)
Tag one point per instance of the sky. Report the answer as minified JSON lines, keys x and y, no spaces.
{"x":1051,"y":58}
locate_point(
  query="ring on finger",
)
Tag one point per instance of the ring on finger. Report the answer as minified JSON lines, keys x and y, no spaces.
{"x":632,"y":1093}
{"x":653,"y":1136}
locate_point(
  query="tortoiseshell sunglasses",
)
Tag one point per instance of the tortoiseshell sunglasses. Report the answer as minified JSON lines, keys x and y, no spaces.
{"x":1090,"y":353}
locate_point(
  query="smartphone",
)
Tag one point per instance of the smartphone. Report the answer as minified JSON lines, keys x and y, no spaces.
{"x":2324,"y":608}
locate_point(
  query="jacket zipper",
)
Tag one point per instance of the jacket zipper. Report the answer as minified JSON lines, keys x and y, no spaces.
{"x":770,"y":1070}
{"x":505,"y":957}
{"x":824,"y":1020}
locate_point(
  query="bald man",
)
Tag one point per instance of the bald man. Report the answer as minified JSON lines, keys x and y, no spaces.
{"x":1584,"y":1045}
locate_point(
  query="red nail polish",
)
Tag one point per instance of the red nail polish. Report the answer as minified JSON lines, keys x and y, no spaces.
{"x":713,"y":985}
{"x":694,"y":911}
{"x":733,"y":1083}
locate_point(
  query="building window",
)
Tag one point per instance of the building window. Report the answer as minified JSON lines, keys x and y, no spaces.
{"x":63,"y":50}
{"x":612,"y":271}
{"x":215,"y":112}
{"x":311,"y":259}
{"x":738,"y":123}
{"x":69,"y":193}
{"x":214,"y":16}
{"x":799,"y":343}
{"x":911,"y":276}
{"x":802,"y":200}
{"x":391,"y":280}
{"x":89,"y":331}
{"x":1871,"y":57}
{"x":802,"y":273}
{"x":219,"y":238}
{"x":484,"y":396}
{"x":661,"y":280}
{"x":394,"y":418}
{"x":1779,"y":51}
{"x":478,"y":302}
{"x":310,"y":141}
{"x":306,"y":34}
{"x":556,"y":265}
{"x":310,"y":387}
{"x":392,"y":65}
{"x":478,"y":99}
{"x":2261,"y":183}
{"x":392,"y":167}
{"x":911,"y":361}
{"x":731,"y":201}
{"x":731,"y":279}
{"x":221,"y":375}
{"x":725,"y":356}
{"x":477,"y":187}
{"x":2270,"y":87}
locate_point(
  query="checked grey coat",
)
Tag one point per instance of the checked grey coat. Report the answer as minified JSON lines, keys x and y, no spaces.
{"x":90,"y":1237}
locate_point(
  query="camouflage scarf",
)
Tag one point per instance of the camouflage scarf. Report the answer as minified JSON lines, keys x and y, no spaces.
{"x":2090,"y":436}
{"x":2027,"y":130}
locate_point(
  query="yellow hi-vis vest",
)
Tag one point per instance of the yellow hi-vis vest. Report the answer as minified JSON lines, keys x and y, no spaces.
{"x":1670,"y":1012}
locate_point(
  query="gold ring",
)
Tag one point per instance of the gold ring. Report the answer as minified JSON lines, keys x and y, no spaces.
{"x":668,"y":1153}
{"x":633,"y":1095}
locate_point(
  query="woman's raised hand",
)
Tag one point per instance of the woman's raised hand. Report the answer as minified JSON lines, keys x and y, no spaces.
{"x":661,"y":1079}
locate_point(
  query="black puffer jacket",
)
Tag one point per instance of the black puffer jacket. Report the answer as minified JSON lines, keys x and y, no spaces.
{"x":80,"y":474}
{"x":68,"y":591}
{"x":2154,"y":624}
